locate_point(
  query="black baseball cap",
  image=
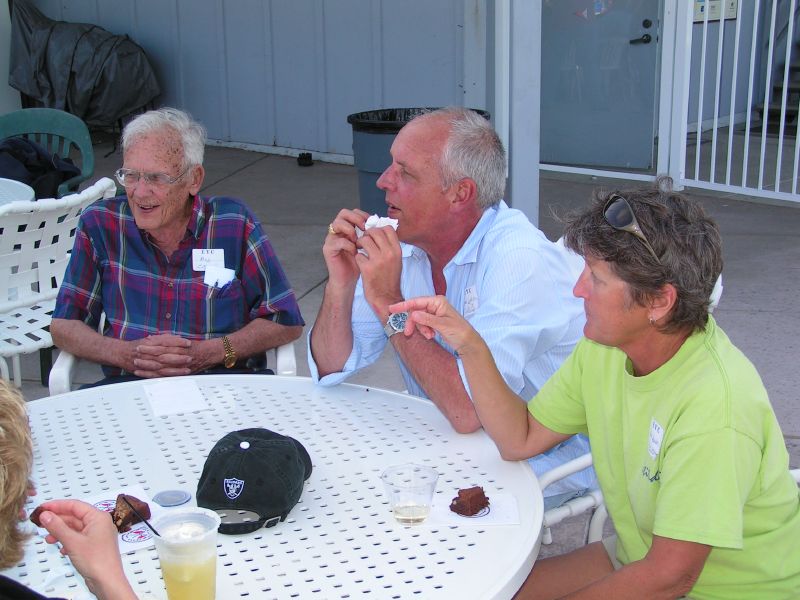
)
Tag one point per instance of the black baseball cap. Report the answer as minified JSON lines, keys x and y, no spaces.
{"x":253,"y":478}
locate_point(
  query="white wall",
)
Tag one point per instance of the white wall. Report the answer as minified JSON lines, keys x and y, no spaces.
{"x":285,"y":74}
{"x":9,"y":97}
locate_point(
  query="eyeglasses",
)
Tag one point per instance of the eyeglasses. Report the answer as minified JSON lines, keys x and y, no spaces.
{"x":128,"y":177}
{"x":619,"y":214}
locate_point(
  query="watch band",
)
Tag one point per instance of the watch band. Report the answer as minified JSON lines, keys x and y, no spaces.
{"x":230,"y":354}
{"x":389,"y":330}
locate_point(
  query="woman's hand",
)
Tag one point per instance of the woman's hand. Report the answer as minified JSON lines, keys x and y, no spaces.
{"x":434,"y":314}
{"x":88,"y":537}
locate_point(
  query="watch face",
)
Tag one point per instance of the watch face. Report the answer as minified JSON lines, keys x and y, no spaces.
{"x":230,"y":360}
{"x":398,"y":320}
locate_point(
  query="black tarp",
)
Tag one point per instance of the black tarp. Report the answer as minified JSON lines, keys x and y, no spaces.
{"x":80,"y":68}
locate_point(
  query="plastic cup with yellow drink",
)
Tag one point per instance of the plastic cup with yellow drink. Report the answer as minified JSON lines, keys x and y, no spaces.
{"x":187,"y":551}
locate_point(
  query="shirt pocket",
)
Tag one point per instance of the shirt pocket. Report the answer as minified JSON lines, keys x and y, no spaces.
{"x":223,"y":309}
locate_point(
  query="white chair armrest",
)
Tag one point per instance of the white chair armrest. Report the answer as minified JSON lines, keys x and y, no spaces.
{"x":596,"y":523}
{"x":565,"y":470}
{"x":285,"y":361}
{"x":62,"y":373}
{"x":591,"y":501}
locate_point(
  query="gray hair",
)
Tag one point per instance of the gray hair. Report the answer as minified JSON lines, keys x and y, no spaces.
{"x":685,"y":238}
{"x":473,"y":149}
{"x":191,"y":133}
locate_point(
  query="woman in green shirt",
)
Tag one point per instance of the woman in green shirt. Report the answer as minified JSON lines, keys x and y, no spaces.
{"x":689,"y":455}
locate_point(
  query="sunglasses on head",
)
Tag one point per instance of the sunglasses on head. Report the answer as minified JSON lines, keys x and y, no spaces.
{"x":619,"y":214}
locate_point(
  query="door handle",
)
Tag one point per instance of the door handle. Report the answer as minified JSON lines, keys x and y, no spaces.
{"x":645,"y":39}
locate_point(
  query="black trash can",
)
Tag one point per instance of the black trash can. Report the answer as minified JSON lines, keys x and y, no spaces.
{"x":373,"y":134}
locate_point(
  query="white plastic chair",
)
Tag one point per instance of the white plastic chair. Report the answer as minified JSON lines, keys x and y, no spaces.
{"x":35,"y":241}
{"x":591,"y":501}
{"x":63,"y":372}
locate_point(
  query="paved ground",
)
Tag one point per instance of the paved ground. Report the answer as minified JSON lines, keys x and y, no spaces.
{"x":761,"y":275}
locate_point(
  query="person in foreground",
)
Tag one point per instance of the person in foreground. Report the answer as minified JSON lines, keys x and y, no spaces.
{"x":455,"y":237}
{"x":87,"y":536}
{"x":187,"y":283}
{"x":690,"y":457}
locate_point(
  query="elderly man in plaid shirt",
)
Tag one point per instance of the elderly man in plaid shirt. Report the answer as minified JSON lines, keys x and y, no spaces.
{"x":188,"y":284}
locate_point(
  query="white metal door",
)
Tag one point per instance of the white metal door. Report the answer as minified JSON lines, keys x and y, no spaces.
{"x":600,"y":72}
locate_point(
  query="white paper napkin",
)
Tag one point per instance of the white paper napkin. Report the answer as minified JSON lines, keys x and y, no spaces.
{"x":140,"y":535}
{"x":171,"y":396}
{"x":218,"y":276}
{"x":502,"y":510}
{"x":376,"y":221}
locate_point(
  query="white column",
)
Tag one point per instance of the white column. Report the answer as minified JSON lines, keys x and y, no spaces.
{"x":502,"y":68}
{"x":475,"y":45}
{"x":681,"y":68}
{"x":525,"y":79}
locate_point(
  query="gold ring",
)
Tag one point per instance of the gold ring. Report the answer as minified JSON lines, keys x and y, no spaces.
{"x":331,"y":230}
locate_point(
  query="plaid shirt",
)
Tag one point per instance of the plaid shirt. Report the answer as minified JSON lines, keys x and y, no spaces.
{"x":115,"y":268}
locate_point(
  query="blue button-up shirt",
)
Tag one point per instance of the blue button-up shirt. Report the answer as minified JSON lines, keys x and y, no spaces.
{"x":514,"y":286}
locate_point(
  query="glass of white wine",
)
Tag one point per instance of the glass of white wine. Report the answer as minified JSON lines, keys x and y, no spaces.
{"x":409,"y":489}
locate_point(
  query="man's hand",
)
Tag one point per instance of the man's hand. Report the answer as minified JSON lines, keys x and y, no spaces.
{"x":340,"y":247}
{"x":89,"y":538}
{"x":380,"y":268}
{"x":162,"y":355}
{"x":434,"y":314}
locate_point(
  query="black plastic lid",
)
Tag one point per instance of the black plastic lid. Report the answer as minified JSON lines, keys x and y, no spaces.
{"x":390,"y":120}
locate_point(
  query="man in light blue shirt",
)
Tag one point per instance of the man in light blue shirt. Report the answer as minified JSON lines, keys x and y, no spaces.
{"x":457,"y":238}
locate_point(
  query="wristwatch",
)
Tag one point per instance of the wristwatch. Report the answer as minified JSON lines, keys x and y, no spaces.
{"x":395,"y":323}
{"x":230,"y":354}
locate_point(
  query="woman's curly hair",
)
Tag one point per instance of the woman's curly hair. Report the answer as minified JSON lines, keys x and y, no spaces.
{"x":16,"y":460}
{"x":685,"y":239}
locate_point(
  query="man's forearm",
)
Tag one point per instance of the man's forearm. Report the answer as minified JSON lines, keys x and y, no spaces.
{"x":332,"y":336}
{"x":435,"y":369}
{"x":260,"y":335}
{"x":77,"y":338}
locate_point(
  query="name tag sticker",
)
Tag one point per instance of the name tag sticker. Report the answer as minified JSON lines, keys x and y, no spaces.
{"x":655,"y":439}
{"x":201,"y":258}
{"x":470,"y":301}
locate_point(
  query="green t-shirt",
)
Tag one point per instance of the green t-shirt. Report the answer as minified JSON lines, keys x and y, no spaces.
{"x":692,"y":452}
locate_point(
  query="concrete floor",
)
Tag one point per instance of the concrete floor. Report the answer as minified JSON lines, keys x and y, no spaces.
{"x":295,"y":204}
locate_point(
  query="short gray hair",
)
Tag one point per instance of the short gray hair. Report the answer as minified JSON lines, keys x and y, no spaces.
{"x":685,"y":238}
{"x":473,"y":149}
{"x":191,"y":133}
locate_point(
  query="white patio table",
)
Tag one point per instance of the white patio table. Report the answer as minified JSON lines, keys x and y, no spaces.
{"x":11,"y":190}
{"x":341,"y":540}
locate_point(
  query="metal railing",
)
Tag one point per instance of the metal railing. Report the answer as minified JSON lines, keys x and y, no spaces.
{"x":753,"y":148}
{"x":736,"y":81}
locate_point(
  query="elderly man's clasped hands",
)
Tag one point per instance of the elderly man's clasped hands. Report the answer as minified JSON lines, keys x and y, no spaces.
{"x":166,"y":355}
